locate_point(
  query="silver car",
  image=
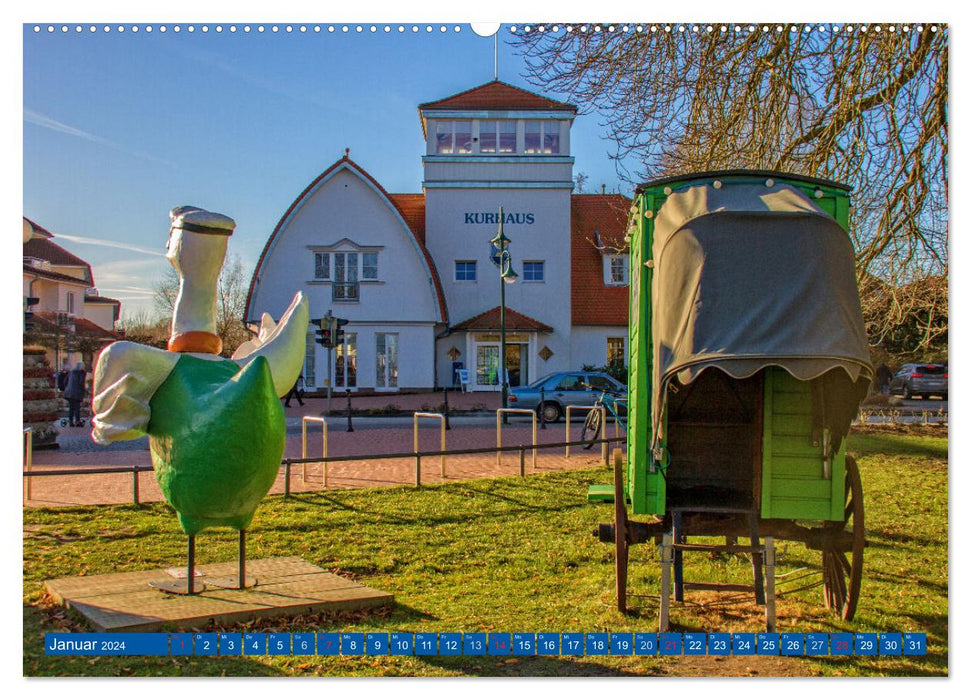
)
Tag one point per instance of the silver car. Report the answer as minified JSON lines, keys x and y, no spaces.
{"x":561,"y":389}
{"x":913,"y":381}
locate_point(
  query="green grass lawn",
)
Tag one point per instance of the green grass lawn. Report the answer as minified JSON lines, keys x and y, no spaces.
{"x":512,"y":555}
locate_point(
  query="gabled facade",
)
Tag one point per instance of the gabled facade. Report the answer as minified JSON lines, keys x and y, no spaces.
{"x":71,"y":317}
{"x":349,"y":247}
{"x":415,"y":273}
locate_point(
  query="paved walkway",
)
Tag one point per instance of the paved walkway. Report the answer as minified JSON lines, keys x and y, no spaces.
{"x":371,"y":438}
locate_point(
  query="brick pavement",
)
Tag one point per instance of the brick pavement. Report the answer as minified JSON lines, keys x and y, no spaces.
{"x":366,"y":440}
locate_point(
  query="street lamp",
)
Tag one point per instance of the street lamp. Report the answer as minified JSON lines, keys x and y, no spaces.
{"x":506,"y":276}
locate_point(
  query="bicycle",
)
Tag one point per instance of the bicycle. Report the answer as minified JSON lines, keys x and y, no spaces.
{"x":594,"y":422}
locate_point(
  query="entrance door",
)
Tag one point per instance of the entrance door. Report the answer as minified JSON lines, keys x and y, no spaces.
{"x":487,"y":365}
{"x":345,"y":362}
{"x":516,"y":363}
{"x":386,"y":360}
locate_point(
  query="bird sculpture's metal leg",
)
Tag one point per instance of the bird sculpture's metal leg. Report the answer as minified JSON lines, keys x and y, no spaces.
{"x":240,"y":580}
{"x":188,"y":585}
{"x":190,"y":571}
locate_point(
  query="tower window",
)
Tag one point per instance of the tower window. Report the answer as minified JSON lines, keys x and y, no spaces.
{"x":497,"y":136}
{"x":453,"y":137}
{"x":543,"y":137}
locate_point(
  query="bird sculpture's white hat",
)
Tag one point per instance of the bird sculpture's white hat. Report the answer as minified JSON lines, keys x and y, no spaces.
{"x":197,"y":248}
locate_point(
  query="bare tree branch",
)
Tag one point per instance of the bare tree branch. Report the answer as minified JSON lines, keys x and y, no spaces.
{"x":862,"y":105}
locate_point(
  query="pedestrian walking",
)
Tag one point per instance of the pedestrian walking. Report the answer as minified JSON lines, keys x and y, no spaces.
{"x":296,"y":391}
{"x":884,"y":375}
{"x":74,"y":393}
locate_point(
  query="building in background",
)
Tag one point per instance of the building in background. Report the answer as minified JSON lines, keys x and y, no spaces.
{"x":72,"y":321}
{"x":415,"y":273}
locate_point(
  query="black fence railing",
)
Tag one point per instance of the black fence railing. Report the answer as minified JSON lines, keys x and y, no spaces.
{"x":287,"y":464}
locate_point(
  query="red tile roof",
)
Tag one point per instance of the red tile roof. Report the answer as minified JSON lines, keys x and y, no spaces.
{"x":39,"y":230}
{"x":56,"y":276}
{"x":46,"y":249}
{"x":594,"y":303}
{"x":497,"y":95}
{"x":489,"y":321}
{"x":412,"y":208}
{"x":45,"y":322}
{"x":408,"y":206}
{"x":92,"y":299}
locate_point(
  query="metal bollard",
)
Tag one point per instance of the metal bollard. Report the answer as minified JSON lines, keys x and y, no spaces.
{"x":448,"y":425}
{"x":417,"y":468}
{"x":542,"y":412}
{"x":350,"y":424}
{"x":134,"y":484}
{"x":522,"y":460}
{"x":286,"y":479}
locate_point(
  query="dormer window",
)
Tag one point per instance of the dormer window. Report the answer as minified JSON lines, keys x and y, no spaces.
{"x":615,"y":270}
{"x":344,"y":266}
{"x":453,"y":137}
{"x":542,"y":137}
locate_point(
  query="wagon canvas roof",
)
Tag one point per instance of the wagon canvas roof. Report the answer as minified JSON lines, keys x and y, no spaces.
{"x":748,"y":276}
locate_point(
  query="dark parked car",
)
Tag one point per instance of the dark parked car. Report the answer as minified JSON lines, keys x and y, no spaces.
{"x":913,"y":381}
{"x":564,"y":389}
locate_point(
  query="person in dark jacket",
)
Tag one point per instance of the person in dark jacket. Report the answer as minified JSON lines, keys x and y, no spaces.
{"x":74,"y":393}
{"x":62,"y":379}
{"x":882,"y":380}
{"x":296,"y":391}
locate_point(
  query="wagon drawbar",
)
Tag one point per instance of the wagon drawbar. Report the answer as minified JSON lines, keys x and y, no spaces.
{"x":748,"y":361}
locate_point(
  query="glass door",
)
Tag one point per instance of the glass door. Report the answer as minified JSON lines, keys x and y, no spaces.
{"x":345,"y":364}
{"x":386,"y":360}
{"x":310,"y":362}
{"x":516,"y":363}
{"x":487,"y":366}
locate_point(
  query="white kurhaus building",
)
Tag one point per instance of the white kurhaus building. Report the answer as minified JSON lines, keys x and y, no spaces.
{"x":413,"y":273}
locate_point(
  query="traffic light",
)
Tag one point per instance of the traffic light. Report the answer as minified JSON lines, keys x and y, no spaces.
{"x":325,"y":335}
{"x":339,"y":324}
{"x":28,"y":314}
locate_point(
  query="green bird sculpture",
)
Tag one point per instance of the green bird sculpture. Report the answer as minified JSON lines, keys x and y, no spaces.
{"x":216,"y":429}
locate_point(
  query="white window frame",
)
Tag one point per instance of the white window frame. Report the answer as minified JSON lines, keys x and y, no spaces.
{"x":623,"y":347}
{"x":542,"y":264}
{"x":448,"y":126}
{"x":544,"y":125}
{"x":318,"y":256}
{"x":497,"y":133}
{"x":475,"y":271}
{"x":363,"y":276}
{"x":608,"y":270}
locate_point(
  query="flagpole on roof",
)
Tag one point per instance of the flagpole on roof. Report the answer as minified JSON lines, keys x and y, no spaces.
{"x":495,"y":55}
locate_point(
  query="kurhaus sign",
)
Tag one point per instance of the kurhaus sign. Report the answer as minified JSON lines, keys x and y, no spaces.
{"x":493,"y":218}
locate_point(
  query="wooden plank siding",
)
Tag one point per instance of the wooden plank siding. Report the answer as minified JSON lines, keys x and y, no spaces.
{"x":793,"y":484}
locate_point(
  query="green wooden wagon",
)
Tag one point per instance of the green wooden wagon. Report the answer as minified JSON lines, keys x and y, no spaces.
{"x":748,"y":361}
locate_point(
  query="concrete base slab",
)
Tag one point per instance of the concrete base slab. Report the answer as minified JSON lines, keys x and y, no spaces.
{"x":287,"y":586}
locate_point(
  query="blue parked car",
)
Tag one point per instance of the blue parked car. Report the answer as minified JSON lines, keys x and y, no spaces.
{"x":564,"y":389}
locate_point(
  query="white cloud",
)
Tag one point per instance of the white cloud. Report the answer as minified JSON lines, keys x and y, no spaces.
{"x":111,"y":244}
{"x":45,"y":122}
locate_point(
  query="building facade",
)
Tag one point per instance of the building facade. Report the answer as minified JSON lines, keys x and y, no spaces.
{"x":71,"y":319}
{"x":416,"y":275}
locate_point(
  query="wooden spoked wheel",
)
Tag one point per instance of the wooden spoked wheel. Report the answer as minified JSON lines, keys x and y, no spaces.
{"x":842,"y":574}
{"x":620,"y":531}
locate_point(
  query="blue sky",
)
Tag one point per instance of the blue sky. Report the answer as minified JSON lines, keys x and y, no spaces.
{"x":121,"y":127}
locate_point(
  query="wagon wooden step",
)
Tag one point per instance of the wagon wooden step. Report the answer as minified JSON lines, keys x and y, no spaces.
{"x":600,"y":493}
{"x":721,"y":587}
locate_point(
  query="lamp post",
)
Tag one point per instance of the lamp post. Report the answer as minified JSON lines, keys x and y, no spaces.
{"x":506,"y":276}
